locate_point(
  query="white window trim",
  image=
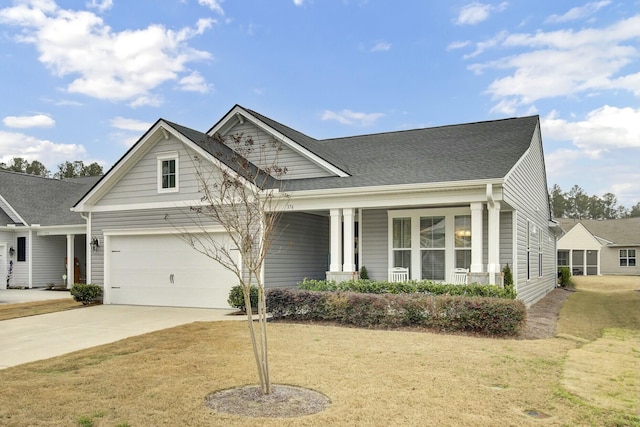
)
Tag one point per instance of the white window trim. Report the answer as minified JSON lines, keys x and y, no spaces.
{"x":169,"y":155}
{"x":449,"y":215}
{"x":627,"y":257}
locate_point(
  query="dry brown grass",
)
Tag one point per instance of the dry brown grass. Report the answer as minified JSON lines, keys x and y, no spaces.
{"x":372,"y":378}
{"x":12,"y":311}
{"x":604,"y":313}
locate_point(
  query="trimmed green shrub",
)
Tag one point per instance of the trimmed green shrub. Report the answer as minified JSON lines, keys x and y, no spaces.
{"x":509,"y":289}
{"x":364,"y":274}
{"x":423,"y":286}
{"x":486,"y":316}
{"x":86,"y":293}
{"x":236,"y":297}
{"x":565,"y":279}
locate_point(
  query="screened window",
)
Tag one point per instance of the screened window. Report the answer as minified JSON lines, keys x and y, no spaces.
{"x":22,"y":248}
{"x":463,"y":241}
{"x":563,"y":258}
{"x":402,"y":243}
{"x":627,"y":258}
{"x":432,"y":247}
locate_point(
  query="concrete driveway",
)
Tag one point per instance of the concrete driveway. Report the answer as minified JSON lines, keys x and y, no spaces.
{"x":28,"y":339}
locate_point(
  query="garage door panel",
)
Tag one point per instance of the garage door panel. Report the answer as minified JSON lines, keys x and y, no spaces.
{"x":165,"y":270}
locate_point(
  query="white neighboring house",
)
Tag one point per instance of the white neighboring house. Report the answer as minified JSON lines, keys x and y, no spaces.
{"x":470,"y":196}
{"x":38,"y":231}
{"x":600,"y":247}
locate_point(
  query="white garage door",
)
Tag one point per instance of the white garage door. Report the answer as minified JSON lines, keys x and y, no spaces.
{"x":164,"y":270}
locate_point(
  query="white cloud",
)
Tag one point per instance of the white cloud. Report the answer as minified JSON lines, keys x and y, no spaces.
{"x":194,"y":82}
{"x":348,"y":117}
{"x":579,"y":12}
{"x":13,"y":144}
{"x":102,"y":63}
{"x":102,"y":6}
{"x":602,"y":130}
{"x":476,"y":12}
{"x":381,"y":47}
{"x":129,"y":124}
{"x":298,"y":2}
{"x":563,"y":63}
{"x":38,"y":120}
{"x":457,"y":45}
{"x":213,"y":5}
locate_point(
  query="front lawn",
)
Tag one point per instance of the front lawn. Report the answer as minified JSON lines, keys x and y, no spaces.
{"x":373,"y":377}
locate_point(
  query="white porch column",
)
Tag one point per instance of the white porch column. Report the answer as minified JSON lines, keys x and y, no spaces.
{"x":349,"y":244}
{"x":476,"y":237}
{"x":493,"y":242}
{"x":335,"y":246}
{"x":70,"y":260}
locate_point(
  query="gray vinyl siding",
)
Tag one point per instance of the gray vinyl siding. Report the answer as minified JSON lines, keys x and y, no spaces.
{"x":610,"y":261}
{"x":525,"y":189}
{"x":138,"y":219}
{"x":506,"y":239}
{"x":374,"y":243}
{"x":48,"y":260}
{"x":300,"y":249}
{"x":140,"y":184}
{"x":298,"y":166}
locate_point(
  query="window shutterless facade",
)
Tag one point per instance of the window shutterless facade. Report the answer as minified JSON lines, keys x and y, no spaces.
{"x":168,"y":172}
{"x":430,"y":242}
{"x":627,"y":258}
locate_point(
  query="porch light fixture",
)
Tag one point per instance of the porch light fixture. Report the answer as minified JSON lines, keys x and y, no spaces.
{"x":95,"y":244}
{"x":11,"y":251}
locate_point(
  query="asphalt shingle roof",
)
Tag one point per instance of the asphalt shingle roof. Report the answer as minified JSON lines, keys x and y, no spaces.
{"x":44,"y":201}
{"x":462,"y":152}
{"x":625,"y":231}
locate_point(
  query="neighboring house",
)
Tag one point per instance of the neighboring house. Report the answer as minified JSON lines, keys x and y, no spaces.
{"x":470,"y":196}
{"x":38,"y":231}
{"x":593,"y":247}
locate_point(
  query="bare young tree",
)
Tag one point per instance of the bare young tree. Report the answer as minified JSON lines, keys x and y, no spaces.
{"x":243,"y":195}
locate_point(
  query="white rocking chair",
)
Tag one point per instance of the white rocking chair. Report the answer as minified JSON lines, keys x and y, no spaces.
{"x":399,"y":274}
{"x":459,"y":276}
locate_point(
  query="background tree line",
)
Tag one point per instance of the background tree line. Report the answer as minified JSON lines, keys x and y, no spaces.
{"x":65,"y":170}
{"x":578,"y":205}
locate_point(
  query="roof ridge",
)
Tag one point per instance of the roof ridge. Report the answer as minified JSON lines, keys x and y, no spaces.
{"x":430,"y":128}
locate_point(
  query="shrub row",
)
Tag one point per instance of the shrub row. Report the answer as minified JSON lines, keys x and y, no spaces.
{"x":423,"y":286}
{"x":447,"y":313}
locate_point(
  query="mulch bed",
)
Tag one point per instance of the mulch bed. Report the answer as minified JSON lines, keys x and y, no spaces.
{"x":543,"y":315}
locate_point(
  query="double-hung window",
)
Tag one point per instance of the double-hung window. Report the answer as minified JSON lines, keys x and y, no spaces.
{"x":168,"y":172}
{"x":402,"y":243}
{"x":462,"y":232}
{"x":432,"y":247}
{"x":627,"y":258}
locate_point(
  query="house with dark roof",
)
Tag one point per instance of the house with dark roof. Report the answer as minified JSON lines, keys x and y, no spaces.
{"x":594,"y":247}
{"x":38,"y":231}
{"x":421,"y":203}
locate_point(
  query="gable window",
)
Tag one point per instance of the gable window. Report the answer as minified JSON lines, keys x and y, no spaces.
{"x":463,"y":241}
{"x":627,"y":258}
{"x":22,"y":248}
{"x":168,"y":172}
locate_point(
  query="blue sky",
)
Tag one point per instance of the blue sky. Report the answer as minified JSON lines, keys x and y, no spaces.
{"x":84,"y":79}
